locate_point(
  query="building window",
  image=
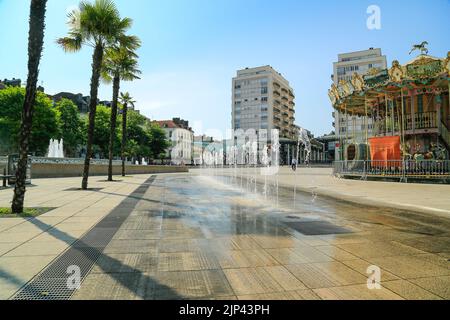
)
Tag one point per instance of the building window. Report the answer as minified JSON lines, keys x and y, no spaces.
{"x":264,"y":90}
{"x":264,"y":99}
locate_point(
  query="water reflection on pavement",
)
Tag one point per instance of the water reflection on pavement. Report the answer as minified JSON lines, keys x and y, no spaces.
{"x":232,"y":238}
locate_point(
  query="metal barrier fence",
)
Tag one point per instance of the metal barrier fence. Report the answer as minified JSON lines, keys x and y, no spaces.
{"x":73,"y":161}
{"x":393,"y":168}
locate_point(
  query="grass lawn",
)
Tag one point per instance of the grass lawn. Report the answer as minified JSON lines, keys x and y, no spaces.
{"x":28,"y":212}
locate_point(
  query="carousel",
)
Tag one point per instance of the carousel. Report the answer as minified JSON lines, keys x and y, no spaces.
{"x":406,"y":118}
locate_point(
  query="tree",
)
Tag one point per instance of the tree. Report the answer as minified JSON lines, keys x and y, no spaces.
{"x":35,"y":44}
{"x":44,"y":124}
{"x":70,"y":126}
{"x":120,"y":63}
{"x":158,"y":141}
{"x":126,"y":101}
{"x":102,"y":131}
{"x":97,"y":25}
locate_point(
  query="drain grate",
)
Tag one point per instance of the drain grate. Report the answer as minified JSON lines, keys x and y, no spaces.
{"x":51,"y":284}
{"x":46,"y":289}
{"x":82,"y":257}
{"x":317,"y":228}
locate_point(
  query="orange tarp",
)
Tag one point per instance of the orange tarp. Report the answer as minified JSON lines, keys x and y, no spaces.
{"x":385,"y":149}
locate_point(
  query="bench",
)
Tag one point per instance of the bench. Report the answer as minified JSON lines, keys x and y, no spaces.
{"x":5,"y":177}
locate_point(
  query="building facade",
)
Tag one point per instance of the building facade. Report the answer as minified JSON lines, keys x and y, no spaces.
{"x":182,"y":141}
{"x":350,"y":126}
{"x":263,"y":99}
{"x":10,"y":83}
{"x":82,"y":102}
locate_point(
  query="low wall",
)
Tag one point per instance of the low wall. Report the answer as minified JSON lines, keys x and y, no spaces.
{"x":59,"y":170}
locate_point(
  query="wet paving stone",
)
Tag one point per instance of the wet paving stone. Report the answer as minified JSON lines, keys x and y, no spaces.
{"x":187,"y":261}
{"x":247,"y":281}
{"x":112,"y":286}
{"x":126,"y":263}
{"x":326,"y":274}
{"x":190,"y":237}
{"x":191,"y":284}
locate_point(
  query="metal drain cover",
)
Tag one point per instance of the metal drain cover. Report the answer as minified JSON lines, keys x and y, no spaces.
{"x":317,"y":228}
{"x":51,"y":284}
{"x":46,"y":289}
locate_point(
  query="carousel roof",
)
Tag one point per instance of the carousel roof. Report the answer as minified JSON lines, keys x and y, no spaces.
{"x":424,"y":72}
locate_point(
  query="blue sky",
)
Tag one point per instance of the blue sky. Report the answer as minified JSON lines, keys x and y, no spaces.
{"x":192,"y":49}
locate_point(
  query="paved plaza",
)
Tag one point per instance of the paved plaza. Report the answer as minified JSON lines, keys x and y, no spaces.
{"x":225,"y":234}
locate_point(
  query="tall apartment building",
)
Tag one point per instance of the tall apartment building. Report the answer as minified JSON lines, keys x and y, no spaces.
{"x":348,"y":63}
{"x":263,"y":99}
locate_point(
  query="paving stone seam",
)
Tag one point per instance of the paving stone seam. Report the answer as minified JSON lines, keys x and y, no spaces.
{"x":62,"y":221}
{"x":40,"y":276}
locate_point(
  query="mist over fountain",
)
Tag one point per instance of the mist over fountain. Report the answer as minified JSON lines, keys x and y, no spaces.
{"x":56,"y":149}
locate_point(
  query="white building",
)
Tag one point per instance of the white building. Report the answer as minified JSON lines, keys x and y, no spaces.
{"x":349,"y":63}
{"x":182,"y":141}
{"x":263,"y":99}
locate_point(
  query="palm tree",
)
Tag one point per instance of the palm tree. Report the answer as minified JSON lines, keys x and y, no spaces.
{"x":97,"y":25}
{"x":126,"y":101}
{"x":120,"y":63}
{"x":35,"y":44}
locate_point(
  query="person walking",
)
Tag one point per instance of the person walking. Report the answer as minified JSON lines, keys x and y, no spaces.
{"x":294,"y":164}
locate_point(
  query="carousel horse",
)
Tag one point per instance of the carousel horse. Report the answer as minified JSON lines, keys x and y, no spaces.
{"x":439,"y":152}
{"x":421,"y":47}
{"x":435,"y":152}
{"x":421,"y":156}
{"x":405,"y":151}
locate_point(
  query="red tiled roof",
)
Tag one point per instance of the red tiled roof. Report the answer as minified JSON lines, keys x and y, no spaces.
{"x":167,"y":124}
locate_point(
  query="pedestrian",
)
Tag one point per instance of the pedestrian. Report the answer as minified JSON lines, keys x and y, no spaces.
{"x":294,"y":164}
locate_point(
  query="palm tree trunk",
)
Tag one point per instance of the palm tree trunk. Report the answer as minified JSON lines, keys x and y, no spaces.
{"x":35,"y":44}
{"x":124,"y":136}
{"x":95,"y":81}
{"x":112,"y":134}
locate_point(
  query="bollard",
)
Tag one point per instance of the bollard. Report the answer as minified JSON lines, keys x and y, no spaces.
{"x":4,"y":177}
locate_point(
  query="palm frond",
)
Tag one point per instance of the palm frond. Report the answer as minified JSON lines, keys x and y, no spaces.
{"x":72,"y":43}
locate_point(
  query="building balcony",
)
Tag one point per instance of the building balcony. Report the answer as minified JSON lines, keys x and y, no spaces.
{"x":425,"y":122}
{"x":276,"y":84}
{"x":277,"y":93}
{"x":285,"y":98}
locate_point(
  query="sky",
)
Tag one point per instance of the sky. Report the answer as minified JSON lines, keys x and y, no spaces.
{"x":192,"y":49}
